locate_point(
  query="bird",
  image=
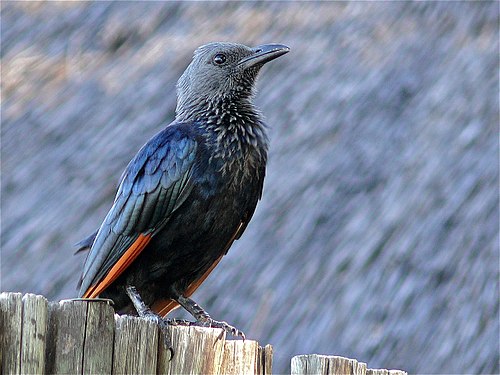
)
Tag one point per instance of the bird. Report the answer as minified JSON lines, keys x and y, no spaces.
{"x":187,"y":194}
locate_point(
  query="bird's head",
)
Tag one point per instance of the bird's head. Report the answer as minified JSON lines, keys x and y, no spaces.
{"x":222,"y":72}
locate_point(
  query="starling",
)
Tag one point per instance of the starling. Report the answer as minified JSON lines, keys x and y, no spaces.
{"x":189,"y":192}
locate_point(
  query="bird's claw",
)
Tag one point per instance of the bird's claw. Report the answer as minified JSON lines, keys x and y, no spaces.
{"x":163,"y":325}
{"x":226,"y":327}
{"x":178,"y":322}
{"x":210,"y":323}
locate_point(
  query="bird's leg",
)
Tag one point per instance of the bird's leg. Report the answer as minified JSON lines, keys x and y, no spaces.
{"x":203,"y":319}
{"x":139,"y":304}
{"x":145,"y":312}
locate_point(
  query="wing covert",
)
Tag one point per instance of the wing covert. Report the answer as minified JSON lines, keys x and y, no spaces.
{"x":155,"y":183}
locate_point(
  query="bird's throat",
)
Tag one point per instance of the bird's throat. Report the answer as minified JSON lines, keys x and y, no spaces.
{"x":237,"y":129}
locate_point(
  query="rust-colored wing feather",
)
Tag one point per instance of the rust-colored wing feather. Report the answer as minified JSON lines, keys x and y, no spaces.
{"x":156,"y":182}
{"x":126,"y":259}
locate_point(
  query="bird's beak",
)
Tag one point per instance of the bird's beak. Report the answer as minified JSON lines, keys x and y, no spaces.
{"x":264,"y":53}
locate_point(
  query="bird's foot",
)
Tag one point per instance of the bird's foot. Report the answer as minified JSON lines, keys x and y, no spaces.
{"x":179,"y":322}
{"x":162,"y":324}
{"x":145,"y":312}
{"x":207,"y":321}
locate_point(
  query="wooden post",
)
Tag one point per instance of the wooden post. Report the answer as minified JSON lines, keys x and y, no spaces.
{"x":66,"y":337}
{"x":136,"y":346}
{"x":99,"y":339}
{"x":34,"y":333}
{"x":86,"y":337}
{"x":333,"y":365}
{"x":11,"y":321}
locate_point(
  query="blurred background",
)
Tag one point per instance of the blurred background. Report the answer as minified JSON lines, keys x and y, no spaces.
{"x":377,"y":235}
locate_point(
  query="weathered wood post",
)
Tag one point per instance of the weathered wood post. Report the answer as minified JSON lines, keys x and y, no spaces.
{"x":82,"y":337}
{"x":314,"y":364}
{"x":87,"y":337}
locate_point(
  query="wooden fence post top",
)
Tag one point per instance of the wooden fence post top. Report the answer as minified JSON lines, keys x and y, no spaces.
{"x":317,"y":364}
{"x":87,"y":337}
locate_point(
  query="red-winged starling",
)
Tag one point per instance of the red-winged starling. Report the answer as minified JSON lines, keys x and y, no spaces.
{"x":188,"y":193}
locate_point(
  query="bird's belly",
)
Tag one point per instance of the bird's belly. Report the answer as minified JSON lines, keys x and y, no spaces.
{"x":193,"y":240}
{"x":195,"y":237}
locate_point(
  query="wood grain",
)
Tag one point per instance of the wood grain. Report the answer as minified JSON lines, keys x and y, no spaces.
{"x":334,"y":365}
{"x":86,"y":337}
{"x":136,"y":346}
{"x":66,"y":337}
{"x":10,"y":325}
{"x":34,"y":334}
{"x":99,"y":338}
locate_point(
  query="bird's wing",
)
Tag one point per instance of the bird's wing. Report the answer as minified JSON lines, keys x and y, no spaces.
{"x":156,"y":182}
{"x":86,"y":243}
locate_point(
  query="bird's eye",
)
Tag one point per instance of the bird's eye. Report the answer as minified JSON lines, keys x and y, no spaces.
{"x":219,"y":59}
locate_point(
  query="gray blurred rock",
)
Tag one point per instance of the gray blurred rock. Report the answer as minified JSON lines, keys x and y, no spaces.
{"x":377,"y":236}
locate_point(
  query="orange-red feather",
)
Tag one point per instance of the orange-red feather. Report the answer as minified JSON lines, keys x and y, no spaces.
{"x":121,"y":265}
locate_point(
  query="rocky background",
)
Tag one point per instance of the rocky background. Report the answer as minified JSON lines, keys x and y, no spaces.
{"x":377,"y":236}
